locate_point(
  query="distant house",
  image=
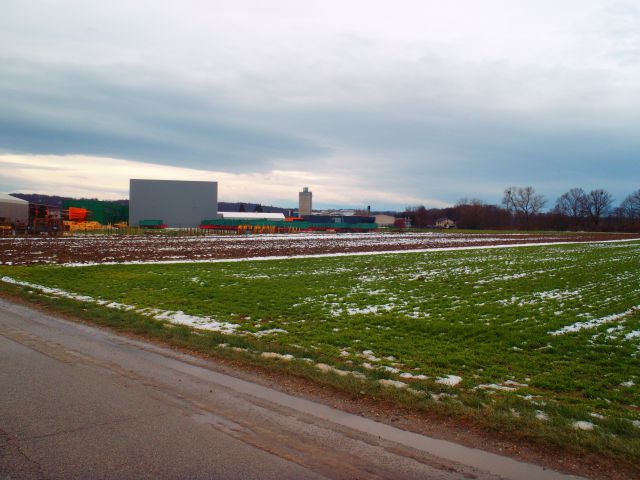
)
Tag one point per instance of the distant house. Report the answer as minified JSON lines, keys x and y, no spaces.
{"x":385,"y":220}
{"x":445,"y":223}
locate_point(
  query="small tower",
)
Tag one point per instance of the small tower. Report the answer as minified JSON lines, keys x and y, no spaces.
{"x":304,"y":202}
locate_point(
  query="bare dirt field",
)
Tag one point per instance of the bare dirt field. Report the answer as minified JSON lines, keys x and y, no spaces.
{"x":90,"y":249}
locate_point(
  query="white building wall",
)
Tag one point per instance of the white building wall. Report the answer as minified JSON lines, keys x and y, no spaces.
{"x":177,"y":203}
{"x":251,"y":216}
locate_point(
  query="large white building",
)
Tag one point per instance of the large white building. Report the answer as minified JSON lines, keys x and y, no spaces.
{"x":177,"y":203}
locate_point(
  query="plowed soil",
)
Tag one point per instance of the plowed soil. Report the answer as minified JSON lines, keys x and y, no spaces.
{"x":89,"y":249}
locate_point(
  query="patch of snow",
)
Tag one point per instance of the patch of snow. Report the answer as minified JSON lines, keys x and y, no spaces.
{"x":179,"y":317}
{"x":262,"y":333}
{"x":493,"y":386}
{"x":57,"y":292}
{"x":634,"y":334}
{"x":324,"y":368}
{"x":279,"y":356}
{"x":450,"y":380}
{"x":392,"y":383}
{"x":419,"y":393}
{"x":596,"y":322}
{"x":540,"y":415}
{"x":511,"y":383}
{"x":368,"y":354}
{"x":439,"y":396}
{"x":582,"y":425}
{"x":389,"y":369}
{"x":411,"y":375}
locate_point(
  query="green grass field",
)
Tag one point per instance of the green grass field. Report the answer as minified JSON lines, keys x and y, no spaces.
{"x":540,"y":342}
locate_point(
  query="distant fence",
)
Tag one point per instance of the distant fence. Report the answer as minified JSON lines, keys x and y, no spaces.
{"x":137,"y":231}
{"x":230,"y":227}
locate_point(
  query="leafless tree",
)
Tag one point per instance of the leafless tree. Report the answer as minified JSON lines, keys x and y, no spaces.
{"x":598,"y":205}
{"x":419,"y":216}
{"x":474,"y":201}
{"x":630,"y":206}
{"x":524,"y":202}
{"x":572,"y":204}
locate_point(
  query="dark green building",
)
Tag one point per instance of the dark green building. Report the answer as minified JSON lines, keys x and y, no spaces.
{"x":101,"y":211}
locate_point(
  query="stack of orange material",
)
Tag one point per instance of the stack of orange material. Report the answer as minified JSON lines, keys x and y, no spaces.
{"x":78,"y":214}
{"x":81,"y":226}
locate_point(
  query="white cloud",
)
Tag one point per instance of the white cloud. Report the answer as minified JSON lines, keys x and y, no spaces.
{"x":108,"y":178}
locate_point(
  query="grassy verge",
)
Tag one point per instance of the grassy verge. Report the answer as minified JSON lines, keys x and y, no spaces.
{"x":478,"y":334}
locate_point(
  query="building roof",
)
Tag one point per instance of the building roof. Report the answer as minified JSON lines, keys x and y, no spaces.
{"x":252,"y":215}
{"x":6,"y":198}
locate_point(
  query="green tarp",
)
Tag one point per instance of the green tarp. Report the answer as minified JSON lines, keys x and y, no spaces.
{"x":101,"y":211}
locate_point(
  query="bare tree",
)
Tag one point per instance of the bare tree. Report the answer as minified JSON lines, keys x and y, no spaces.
{"x":572,"y":204}
{"x":598,"y":205}
{"x":465,"y":201}
{"x":630,"y":206}
{"x":524,"y":202}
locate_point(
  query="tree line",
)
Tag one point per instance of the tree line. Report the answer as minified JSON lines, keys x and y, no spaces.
{"x":523,"y":208}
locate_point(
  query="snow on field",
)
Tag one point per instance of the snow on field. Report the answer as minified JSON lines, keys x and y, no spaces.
{"x":356,"y":252}
{"x":177,"y":317}
{"x":116,"y":249}
{"x":373,"y":300}
{"x":60,"y":293}
{"x":576,"y":327}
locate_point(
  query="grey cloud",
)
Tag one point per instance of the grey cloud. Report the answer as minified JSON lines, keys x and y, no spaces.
{"x":63,"y":110}
{"x":425,"y":124}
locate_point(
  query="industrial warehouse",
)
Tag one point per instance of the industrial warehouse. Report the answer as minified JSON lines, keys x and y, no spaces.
{"x":170,"y":204}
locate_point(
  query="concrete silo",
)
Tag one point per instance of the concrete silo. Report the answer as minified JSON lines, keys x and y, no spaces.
{"x":304,"y":202}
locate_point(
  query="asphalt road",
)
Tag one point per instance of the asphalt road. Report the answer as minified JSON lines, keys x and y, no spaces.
{"x":81,"y":402}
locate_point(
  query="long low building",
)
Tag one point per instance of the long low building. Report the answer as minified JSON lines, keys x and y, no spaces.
{"x":13,"y":210}
{"x":251,"y":216}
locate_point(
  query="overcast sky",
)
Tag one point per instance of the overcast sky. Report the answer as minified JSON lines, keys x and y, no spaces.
{"x":367,"y":102}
